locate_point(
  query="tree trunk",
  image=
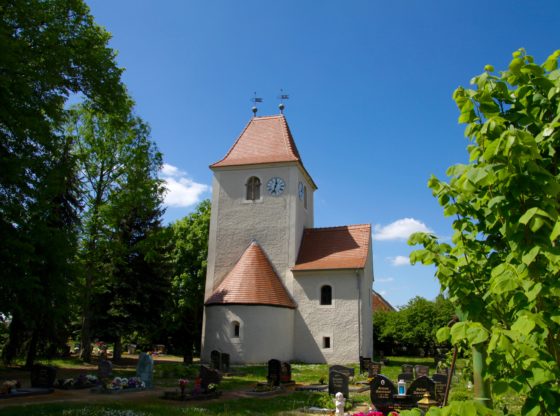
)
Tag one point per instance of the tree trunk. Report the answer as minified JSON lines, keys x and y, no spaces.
{"x":32,"y":350}
{"x":11,"y":348}
{"x":117,"y":349}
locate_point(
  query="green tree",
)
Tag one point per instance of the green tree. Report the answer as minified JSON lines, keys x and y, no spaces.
{"x":188,"y":270}
{"x":501,"y":269}
{"x":50,"y":50}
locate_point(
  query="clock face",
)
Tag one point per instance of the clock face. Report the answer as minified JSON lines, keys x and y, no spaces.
{"x":275,"y":186}
{"x":300,"y":190}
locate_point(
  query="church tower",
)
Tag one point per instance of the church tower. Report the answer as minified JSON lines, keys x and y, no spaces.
{"x":260,"y":291}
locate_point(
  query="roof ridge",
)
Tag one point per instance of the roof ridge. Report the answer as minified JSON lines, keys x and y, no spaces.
{"x":234,"y":143}
{"x":338,"y":227}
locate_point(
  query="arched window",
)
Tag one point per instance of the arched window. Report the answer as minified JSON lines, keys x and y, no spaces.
{"x":235,"y":329}
{"x":326,"y":295}
{"x":253,"y":189}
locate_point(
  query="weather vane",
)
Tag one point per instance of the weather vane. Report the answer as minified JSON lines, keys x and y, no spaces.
{"x":282,"y":97}
{"x":255,"y":101}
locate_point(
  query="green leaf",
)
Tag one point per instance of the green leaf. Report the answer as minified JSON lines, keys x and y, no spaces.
{"x":459,"y":332}
{"x":523,"y":325}
{"x":529,"y":257}
{"x":555,"y":231}
{"x":443,"y":334}
{"x":477,"y":334}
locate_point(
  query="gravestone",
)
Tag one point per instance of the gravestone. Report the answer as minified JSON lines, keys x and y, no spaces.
{"x":374,"y":369}
{"x":364,"y":364}
{"x":349,"y":371}
{"x":338,"y":382}
{"x":286,"y":373}
{"x":408,"y":377}
{"x":43,"y":376}
{"x":104,"y":369}
{"x":145,"y":369}
{"x":274,"y":367}
{"x":420,"y":386}
{"x":407,"y":368}
{"x":209,"y":376}
{"x":224,"y":358}
{"x":441,"y":384}
{"x":382,"y":392}
{"x":216,"y":359}
{"x":421,"y":370}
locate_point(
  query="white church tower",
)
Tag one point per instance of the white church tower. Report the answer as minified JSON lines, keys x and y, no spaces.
{"x":276,"y":287}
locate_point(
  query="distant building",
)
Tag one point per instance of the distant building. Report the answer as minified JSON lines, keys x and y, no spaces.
{"x":276,"y":287}
{"x":379,"y":303}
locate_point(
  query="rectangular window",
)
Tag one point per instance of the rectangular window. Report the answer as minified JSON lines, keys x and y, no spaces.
{"x":326,"y":342}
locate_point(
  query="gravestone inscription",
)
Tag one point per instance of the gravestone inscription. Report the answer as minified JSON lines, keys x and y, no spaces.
{"x":441,"y":384}
{"x":338,"y":382}
{"x":374,"y":369}
{"x":382,"y":392}
{"x":420,"y":386}
{"x":43,"y":376}
{"x":274,"y":368}
{"x":145,"y":369}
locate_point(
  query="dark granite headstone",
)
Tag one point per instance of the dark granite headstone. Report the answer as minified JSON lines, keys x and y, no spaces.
{"x":349,"y":371}
{"x":364,"y":364}
{"x":408,"y":377}
{"x":286,"y":373}
{"x":407,"y":368}
{"x":43,"y":376}
{"x":216,"y":359}
{"x":338,"y":382}
{"x":374,"y":369}
{"x":225,"y":362}
{"x":421,"y":370}
{"x":209,"y":376}
{"x":104,"y":369}
{"x":441,"y":383}
{"x":273,"y":376}
{"x":420,"y":386}
{"x":382,"y":392}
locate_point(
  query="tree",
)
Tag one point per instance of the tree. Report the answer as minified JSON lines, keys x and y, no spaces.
{"x":188,"y":271}
{"x":501,"y":269}
{"x":50,"y":51}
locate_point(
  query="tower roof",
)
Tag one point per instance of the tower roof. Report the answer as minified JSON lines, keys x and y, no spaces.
{"x":264,"y":140}
{"x":344,"y":247}
{"x":252,"y":281}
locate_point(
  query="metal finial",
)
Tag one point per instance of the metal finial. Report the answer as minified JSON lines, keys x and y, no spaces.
{"x":282,"y":97}
{"x":255,"y":100}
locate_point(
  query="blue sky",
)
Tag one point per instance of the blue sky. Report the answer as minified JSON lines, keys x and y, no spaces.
{"x":370,"y":106}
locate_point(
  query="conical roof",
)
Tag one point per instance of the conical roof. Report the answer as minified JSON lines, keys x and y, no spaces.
{"x":252,"y":281}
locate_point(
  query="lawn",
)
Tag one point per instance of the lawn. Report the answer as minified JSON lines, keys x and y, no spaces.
{"x":168,"y":370}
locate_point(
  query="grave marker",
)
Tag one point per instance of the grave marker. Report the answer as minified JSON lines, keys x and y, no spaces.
{"x":338,"y":382}
{"x":349,"y":371}
{"x":421,"y":370}
{"x":420,"y":386}
{"x":145,"y":369}
{"x":104,"y":369}
{"x":382,"y":392}
{"x":286,"y":373}
{"x":274,"y":367}
{"x":441,"y":383}
{"x":209,"y":376}
{"x":215,"y":359}
{"x":43,"y":376}
{"x":374,"y":369}
{"x":224,"y":358}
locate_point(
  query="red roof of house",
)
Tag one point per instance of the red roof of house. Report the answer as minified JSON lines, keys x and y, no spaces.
{"x":264,"y":140}
{"x":379,"y":303}
{"x":252,"y":281}
{"x":343,"y":247}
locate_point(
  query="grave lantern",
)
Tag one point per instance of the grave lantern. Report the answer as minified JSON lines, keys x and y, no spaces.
{"x":426,"y":402}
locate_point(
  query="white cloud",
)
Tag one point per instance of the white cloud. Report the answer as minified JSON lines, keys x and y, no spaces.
{"x":400,"y":229}
{"x":181,"y":190}
{"x":384,"y":279}
{"x":399,"y":261}
{"x":382,"y":292}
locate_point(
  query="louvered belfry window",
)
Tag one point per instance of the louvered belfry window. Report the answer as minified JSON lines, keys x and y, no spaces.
{"x":253,"y":189}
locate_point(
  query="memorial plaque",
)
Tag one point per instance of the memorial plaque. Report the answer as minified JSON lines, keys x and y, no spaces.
{"x":421,"y":370}
{"x":441,"y":383}
{"x":374,"y":369}
{"x":420,"y":386}
{"x":43,"y":376}
{"x":286,"y":373}
{"x":349,"y":371}
{"x":338,"y":382}
{"x":382,"y":392}
{"x":274,"y":368}
{"x":216,"y":359}
{"x":224,"y":358}
{"x":209,"y":376}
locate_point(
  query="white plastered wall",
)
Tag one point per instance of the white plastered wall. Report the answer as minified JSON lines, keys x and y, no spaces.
{"x":266,"y":332}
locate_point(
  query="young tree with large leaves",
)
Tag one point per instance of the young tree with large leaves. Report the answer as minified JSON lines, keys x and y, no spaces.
{"x":50,"y":49}
{"x":502,"y":267}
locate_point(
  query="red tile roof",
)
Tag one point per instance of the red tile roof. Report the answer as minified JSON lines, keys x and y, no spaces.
{"x":264,"y":140}
{"x":343,"y":247}
{"x":252,"y":281}
{"x":379,"y":303}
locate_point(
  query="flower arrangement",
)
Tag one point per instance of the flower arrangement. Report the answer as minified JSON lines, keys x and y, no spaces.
{"x":212,"y":387}
{"x":9,"y":386}
{"x":369,"y":413}
{"x":119,"y":383}
{"x":81,"y":381}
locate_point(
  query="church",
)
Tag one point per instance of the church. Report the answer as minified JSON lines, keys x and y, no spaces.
{"x":276,"y":287}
